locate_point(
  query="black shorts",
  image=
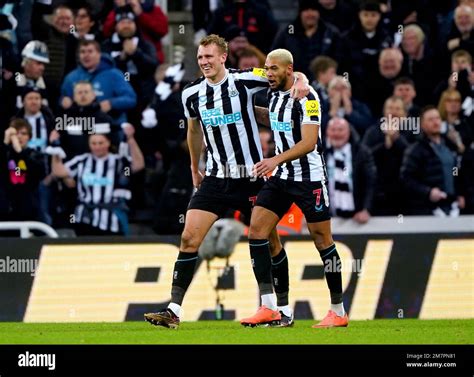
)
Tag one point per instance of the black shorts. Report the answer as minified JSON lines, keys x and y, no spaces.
{"x":219,"y":195}
{"x":277,"y":195}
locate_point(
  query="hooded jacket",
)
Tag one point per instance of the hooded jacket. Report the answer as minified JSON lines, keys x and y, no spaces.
{"x":109,"y":84}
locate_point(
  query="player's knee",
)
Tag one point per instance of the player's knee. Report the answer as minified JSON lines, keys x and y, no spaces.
{"x":189,"y":241}
{"x":322,"y":240}
{"x":257,"y":232}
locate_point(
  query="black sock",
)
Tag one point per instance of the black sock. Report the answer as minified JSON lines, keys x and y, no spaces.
{"x":262,"y":265}
{"x":182,"y":275}
{"x":332,"y":271}
{"x":280,"y":276}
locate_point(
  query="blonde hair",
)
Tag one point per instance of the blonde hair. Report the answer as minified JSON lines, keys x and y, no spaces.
{"x":442,"y":101}
{"x":339,"y":79}
{"x":282,"y":55}
{"x":215,"y":39}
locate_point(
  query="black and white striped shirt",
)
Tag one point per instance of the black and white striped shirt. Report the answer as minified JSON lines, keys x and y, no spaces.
{"x":102,"y":184}
{"x":287,"y":115}
{"x":39,"y":132}
{"x":226,"y":113}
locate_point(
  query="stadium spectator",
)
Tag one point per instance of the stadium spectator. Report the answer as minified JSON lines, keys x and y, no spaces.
{"x":255,"y":19}
{"x":458,"y":129}
{"x":62,"y":56}
{"x":35,"y":57}
{"x":379,"y":86}
{"x":427,"y":171}
{"x":338,"y":13}
{"x":23,"y":172}
{"x":461,"y":79}
{"x":102,"y":180}
{"x":324,"y":70}
{"x":268,"y":145}
{"x":461,"y":35}
{"x":114,"y":93}
{"x":352,"y":173}
{"x":85,"y":27}
{"x":342,"y":105}
{"x":39,"y":116}
{"x":251,"y":57}
{"x":387,"y":144}
{"x":419,"y":63}
{"x":83,"y":118}
{"x":133,"y":55}
{"x":8,"y":67}
{"x":308,"y":37}
{"x":404,"y":88}
{"x":466,"y":182}
{"x":151,"y":21}
{"x":365,"y":41}
{"x":237,"y":42}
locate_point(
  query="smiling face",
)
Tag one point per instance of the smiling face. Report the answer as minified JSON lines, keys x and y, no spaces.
{"x":338,"y":132}
{"x":279,"y":73}
{"x":211,"y":60}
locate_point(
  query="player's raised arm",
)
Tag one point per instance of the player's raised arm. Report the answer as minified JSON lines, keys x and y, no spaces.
{"x":195,"y":140}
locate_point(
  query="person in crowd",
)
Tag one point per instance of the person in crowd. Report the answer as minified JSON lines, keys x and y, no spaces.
{"x":338,"y":13}
{"x":133,"y":55}
{"x":83,"y":118}
{"x":62,"y":56}
{"x":364,"y":42}
{"x":35,"y":58}
{"x":458,"y":129}
{"x":419,"y":63}
{"x":113,"y":91}
{"x":151,"y":22}
{"x":404,"y":87}
{"x":8,"y":69}
{"x":387,"y":143}
{"x":324,"y":70}
{"x":461,"y":79}
{"x":342,"y":105}
{"x":251,"y":57}
{"x":249,"y":15}
{"x":461,"y":35}
{"x":308,"y":37}
{"x":22,"y":173}
{"x":351,"y":171}
{"x":379,"y":86}
{"x":427,"y":171}
{"x":102,"y":181}
{"x":85,"y":27}
{"x":466,"y":181}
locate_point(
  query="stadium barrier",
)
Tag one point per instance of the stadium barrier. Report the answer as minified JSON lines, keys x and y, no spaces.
{"x":420,"y":270}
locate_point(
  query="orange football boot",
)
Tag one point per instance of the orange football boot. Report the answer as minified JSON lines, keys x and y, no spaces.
{"x":264,"y":316}
{"x":332,"y":320}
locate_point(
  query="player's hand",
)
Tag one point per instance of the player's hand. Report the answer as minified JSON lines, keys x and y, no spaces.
{"x":300,"y":89}
{"x":436,"y":195}
{"x":264,"y":167}
{"x":197,"y":178}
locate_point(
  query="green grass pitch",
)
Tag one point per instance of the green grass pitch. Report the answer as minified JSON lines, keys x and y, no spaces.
{"x":394,"y":331}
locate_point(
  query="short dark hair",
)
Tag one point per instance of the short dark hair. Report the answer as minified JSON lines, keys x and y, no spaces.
{"x":425,"y":109}
{"x":322,"y":64}
{"x":20,"y":123}
{"x":88,"y":42}
{"x":404,"y":81}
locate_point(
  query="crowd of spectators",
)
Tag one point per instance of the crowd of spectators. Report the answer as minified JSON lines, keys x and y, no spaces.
{"x":93,"y":127}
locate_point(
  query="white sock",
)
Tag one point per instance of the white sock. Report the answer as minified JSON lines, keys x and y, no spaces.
{"x":270,"y":301}
{"x":286,"y":310}
{"x":338,"y":309}
{"x":175,"y":308}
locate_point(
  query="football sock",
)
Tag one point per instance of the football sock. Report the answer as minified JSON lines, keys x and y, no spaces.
{"x":286,"y":310}
{"x":175,"y":308}
{"x":280,"y":277}
{"x":332,"y":271}
{"x":182,"y":276}
{"x":269,"y":301}
{"x":262,"y":268}
{"x":338,"y":309}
